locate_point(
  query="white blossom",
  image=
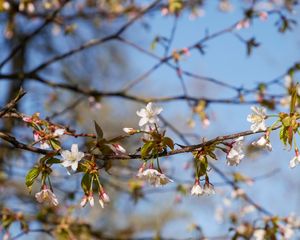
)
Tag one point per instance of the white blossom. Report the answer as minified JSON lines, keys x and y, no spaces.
{"x":257,"y":118}
{"x":71,"y":158}
{"x":46,"y":195}
{"x":245,"y":23}
{"x":37,"y":138}
{"x":149,"y":114}
{"x":154,"y":177}
{"x":130,"y":131}
{"x":262,"y":142}
{"x":197,"y":189}
{"x":84,"y":201}
{"x":287,"y":231}
{"x":117,"y":148}
{"x":295,"y":161}
{"x":259,"y":234}
{"x":209,"y":189}
{"x":103,"y":198}
{"x":91,"y":200}
{"x":235,"y":154}
{"x":59,"y":132}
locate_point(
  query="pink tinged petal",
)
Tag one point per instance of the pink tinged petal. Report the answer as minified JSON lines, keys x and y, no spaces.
{"x":101,"y":203}
{"x":36,"y":136}
{"x":91,"y":200}
{"x":84,"y":201}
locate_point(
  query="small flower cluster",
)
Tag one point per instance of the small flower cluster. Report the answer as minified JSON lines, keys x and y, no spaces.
{"x":207,"y":189}
{"x":153,"y":176}
{"x":235,"y":153}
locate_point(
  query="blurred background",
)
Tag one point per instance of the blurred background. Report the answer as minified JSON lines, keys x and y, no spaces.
{"x":225,"y":71}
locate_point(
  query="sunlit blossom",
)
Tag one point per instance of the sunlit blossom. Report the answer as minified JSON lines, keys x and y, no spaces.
{"x":295,"y":160}
{"x":263,"y":142}
{"x":257,"y":118}
{"x":149,"y":114}
{"x":71,"y":158}
{"x":197,"y":188}
{"x":236,"y":153}
{"x":154,"y":177}
{"x":46,"y":195}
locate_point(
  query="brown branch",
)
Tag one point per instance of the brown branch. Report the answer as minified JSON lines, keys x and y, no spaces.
{"x":12,"y":103}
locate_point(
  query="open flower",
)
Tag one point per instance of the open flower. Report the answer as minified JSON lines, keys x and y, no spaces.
{"x":46,"y":195}
{"x":37,"y":138}
{"x":235,"y":154}
{"x":59,"y":132}
{"x":295,"y":160}
{"x":149,"y":114}
{"x":154,"y":177}
{"x":72,"y":158}
{"x":257,"y":118}
{"x":259,"y":234}
{"x":197,"y":189}
{"x":263,"y":142}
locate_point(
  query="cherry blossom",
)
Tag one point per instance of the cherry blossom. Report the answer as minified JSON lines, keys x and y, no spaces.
{"x":103,"y":198}
{"x":208,"y":189}
{"x":257,"y":118}
{"x":263,"y":142}
{"x":71,"y":158}
{"x":295,"y":160}
{"x":46,"y":195}
{"x":235,"y":154}
{"x":259,"y":234}
{"x":154,"y":177}
{"x":197,"y":189}
{"x":149,"y":114}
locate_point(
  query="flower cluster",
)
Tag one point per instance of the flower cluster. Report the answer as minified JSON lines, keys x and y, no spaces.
{"x":153,"y":176}
{"x":235,"y":153}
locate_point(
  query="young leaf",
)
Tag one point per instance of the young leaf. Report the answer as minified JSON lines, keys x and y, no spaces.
{"x":168,"y":142}
{"x":146,"y":149}
{"x":98,"y":131}
{"x":53,"y":161}
{"x":31,"y":176}
{"x":86,"y":183}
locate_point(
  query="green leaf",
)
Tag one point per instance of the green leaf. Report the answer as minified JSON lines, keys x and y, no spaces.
{"x":293,"y":99}
{"x":146,"y":149}
{"x":53,"y":161}
{"x":31,"y":176}
{"x":168,"y":142}
{"x":86,"y":183}
{"x":283,"y":135}
{"x":98,"y":131}
{"x":212,"y":155}
{"x":290,"y":135}
{"x":55,"y":144}
{"x":203,"y":166}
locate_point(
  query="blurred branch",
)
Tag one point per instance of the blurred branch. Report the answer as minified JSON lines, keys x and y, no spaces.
{"x":12,"y":103}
